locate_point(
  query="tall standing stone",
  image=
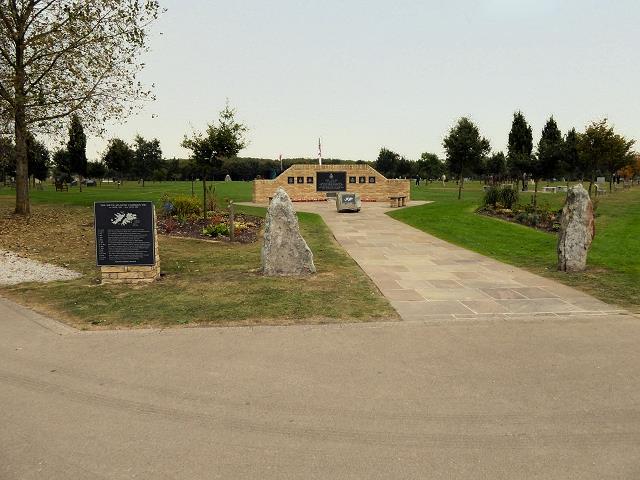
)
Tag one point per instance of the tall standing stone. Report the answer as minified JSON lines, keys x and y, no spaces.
{"x":577,"y":229}
{"x":284,"y":252}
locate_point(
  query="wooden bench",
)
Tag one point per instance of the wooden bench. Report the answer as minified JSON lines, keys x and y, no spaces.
{"x":600,"y":190}
{"x":62,"y":187}
{"x":397,"y":201}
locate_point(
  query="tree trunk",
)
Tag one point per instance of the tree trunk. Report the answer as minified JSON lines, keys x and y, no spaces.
{"x":23,"y":206}
{"x":611,"y":183}
{"x":535,"y":194}
{"x":80,"y":182}
{"x":204,"y":197}
{"x":460,"y":181}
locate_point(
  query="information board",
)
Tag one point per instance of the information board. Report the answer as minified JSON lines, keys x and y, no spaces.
{"x":125,"y":233}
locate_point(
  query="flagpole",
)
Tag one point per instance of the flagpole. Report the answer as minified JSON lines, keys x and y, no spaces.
{"x":319,"y":152}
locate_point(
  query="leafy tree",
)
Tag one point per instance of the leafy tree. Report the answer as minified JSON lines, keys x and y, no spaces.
{"x":496,"y":165}
{"x":62,"y":165}
{"x":222,"y":140}
{"x":519,"y":148}
{"x":602,"y":150}
{"x":550,"y":154}
{"x":387,"y":163}
{"x":77,"y":149}
{"x":147,"y":158}
{"x":430,"y":166}
{"x":96,"y":170}
{"x":119,"y":157}
{"x":570,"y":164}
{"x":38,"y":158}
{"x":64,"y":56}
{"x":465,"y":149}
{"x":404,"y":168}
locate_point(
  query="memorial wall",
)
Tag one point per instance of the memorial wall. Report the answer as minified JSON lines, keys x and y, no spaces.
{"x":307,"y":183}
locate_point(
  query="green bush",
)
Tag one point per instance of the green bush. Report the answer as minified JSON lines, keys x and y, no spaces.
{"x":216,"y":230}
{"x":184,"y":205}
{"x":508,"y":197}
{"x":491,"y":196}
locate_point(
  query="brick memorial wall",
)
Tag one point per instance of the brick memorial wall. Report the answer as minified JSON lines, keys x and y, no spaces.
{"x":307,"y":183}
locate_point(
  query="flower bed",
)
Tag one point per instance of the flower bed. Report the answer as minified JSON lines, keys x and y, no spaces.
{"x":541,"y":218}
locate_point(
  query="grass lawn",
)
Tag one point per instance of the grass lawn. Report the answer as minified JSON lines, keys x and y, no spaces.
{"x":613,"y":273}
{"x":206,"y":283}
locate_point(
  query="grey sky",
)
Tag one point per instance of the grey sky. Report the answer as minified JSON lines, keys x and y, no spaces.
{"x":366,"y":74}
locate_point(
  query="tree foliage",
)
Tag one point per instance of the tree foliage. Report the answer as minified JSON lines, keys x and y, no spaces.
{"x":118,"y":157}
{"x":465,"y":149}
{"x":58,"y":57}
{"x":519,"y":147}
{"x":147,"y":158}
{"x":430,"y":166}
{"x":550,"y":151}
{"x":77,"y":147}
{"x":602,"y":150}
{"x":223,"y":139}
{"x":38,"y":158}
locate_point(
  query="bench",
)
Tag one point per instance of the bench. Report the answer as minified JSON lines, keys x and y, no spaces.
{"x":561,"y":188}
{"x":62,"y":187}
{"x":549,"y":189}
{"x":397,"y":201}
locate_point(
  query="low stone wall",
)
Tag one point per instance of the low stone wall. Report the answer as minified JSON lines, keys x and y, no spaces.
{"x":360,"y":178}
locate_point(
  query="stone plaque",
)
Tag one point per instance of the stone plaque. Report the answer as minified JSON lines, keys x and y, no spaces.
{"x":331,"y":182}
{"x":125,"y":233}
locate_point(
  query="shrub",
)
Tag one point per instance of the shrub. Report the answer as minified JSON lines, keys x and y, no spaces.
{"x":183,"y":206}
{"x":214,"y":230}
{"x":508,"y":197}
{"x":491,"y":196}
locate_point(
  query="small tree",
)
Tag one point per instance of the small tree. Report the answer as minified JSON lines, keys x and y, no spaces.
{"x":77,"y":149}
{"x":387,"y":162}
{"x":224,"y":139}
{"x":520,"y":148}
{"x":465,"y":149}
{"x":96,"y":170}
{"x":570,"y":163}
{"x":7,"y":158}
{"x":496,"y":166}
{"x":430,"y":166}
{"x":119,"y":157}
{"x":147,"y":158}
{"x":38,"y":157}
{"x":62,"y":165}
{"x":550,"y":153}
{"x":602,"y":150}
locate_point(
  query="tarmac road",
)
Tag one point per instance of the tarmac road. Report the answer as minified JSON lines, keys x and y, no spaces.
{"x":479,"y":399}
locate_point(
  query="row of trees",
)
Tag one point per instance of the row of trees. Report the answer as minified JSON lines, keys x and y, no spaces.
{"x":599,"y":150}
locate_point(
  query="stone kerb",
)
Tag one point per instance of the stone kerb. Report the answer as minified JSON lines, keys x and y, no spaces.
{"x":300,"y":183}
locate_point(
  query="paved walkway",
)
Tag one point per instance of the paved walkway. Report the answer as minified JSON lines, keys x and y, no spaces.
{"x":426,"y":278}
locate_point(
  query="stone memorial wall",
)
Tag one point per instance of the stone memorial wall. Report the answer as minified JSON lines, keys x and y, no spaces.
{"x":307,"y":183}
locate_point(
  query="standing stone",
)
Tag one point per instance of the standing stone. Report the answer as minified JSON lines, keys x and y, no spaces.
{"x":577,"y":229}
{"x":227,"y":178}
{"x":284,"y":251}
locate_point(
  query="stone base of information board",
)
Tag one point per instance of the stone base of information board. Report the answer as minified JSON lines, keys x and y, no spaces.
{"x":130,"y":274}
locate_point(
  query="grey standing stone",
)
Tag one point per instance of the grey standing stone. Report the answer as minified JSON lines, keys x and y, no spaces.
{"x":577,"y":229}
{"x":284,"y":252}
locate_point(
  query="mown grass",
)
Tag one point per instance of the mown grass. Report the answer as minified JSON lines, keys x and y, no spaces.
{"x":204,"y":283}
{"x":613,"y":272}
{"x":152,"y":191}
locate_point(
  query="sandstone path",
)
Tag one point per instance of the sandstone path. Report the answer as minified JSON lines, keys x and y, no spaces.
{"x":426,"y":278}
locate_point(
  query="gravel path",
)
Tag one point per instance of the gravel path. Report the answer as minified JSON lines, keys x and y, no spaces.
{"x":15,"y":269}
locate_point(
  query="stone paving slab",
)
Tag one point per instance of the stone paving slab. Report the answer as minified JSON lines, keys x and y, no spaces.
{"x":426,"y":278}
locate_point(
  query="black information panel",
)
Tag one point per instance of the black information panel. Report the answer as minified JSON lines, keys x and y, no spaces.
{"x":331,"y":182}
{"x":124,"y":233}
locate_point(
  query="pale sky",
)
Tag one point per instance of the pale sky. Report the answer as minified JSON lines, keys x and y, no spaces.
{"x":363,"y":74}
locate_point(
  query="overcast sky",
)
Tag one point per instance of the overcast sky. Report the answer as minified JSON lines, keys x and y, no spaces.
{"x":366,"y":74}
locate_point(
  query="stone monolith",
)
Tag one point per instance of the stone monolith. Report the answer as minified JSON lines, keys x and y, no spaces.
{"x":577,"y":229}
